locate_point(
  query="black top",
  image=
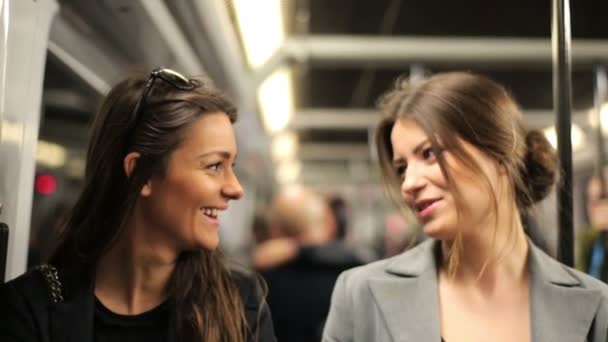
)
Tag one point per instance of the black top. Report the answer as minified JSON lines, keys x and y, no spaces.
{"x":28,"y":315}
{"x":150,"y":326}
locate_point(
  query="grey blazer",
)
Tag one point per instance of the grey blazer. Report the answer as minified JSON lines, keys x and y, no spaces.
{"x":397,"y":300}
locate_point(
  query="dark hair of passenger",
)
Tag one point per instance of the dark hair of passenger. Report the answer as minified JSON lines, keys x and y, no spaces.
{"x":208,"y":303}
{"x":460,"y":105}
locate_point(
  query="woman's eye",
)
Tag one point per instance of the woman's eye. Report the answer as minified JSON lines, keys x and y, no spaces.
{"x":214,"y":167}
{"x":428,"y":153}
{"x":400,"y":171}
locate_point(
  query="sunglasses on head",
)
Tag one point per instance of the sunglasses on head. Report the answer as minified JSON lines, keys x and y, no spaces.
{"x":172,"y":77}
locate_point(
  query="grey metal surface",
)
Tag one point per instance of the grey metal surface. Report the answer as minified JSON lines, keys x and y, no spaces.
{"x":391,"y":51}
{"x":362,"y":118}
{"x":25,"y":28}
{"x":561,"y":38}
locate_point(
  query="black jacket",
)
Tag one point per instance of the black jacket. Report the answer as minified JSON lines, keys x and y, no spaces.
{"x":28,"y":315}
{"x":300,"y":290}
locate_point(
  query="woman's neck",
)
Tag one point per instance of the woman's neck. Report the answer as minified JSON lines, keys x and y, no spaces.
{"x":492,"y":257}
{"x":133,"y":276}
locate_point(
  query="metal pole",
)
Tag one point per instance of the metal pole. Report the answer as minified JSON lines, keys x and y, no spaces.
{"x":562,"y":93}
{"x":601,"y":85}
{"x":3,"y":250}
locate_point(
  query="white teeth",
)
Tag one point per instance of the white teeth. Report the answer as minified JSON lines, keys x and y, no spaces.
{"x":212,"y":212}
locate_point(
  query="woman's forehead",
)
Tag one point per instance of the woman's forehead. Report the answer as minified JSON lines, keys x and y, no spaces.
{"x":212,"y":131}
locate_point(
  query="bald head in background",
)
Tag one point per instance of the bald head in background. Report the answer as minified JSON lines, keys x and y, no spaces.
{"x":303,"y":214}
{"x":304,"y":259}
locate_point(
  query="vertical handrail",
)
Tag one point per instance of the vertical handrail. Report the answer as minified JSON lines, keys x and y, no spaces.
{"x":599,"y":97}
{"x":3,"y":250}
{"x":601,"y":88}
{"x":562,"y":94}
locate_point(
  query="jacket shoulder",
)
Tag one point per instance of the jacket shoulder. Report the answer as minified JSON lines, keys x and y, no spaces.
{"x":250,"y":286}
{"x":23,"y":307}
{"x":589,"y":282}
{"x":30,"y":286}
{"x":252,"y":290}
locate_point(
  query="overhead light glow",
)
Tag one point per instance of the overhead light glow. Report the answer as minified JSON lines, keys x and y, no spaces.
{"x":275,"y":96}
{"x":284,"y":146}
{"x":577,"y":136}
{"x":260,"y":24}
{"x":603,"y":117}
{"x":11,"y":132}
{"x":50,"y":154}
{"x":288,"y":172}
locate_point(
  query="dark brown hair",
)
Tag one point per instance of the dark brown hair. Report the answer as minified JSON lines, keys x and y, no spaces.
{"x":459,"y":105}
{"x":208,"y":303}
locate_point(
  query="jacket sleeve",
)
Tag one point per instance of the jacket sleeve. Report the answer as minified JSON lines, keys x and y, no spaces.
{"x":16,"y":318}
{"x":599,"y":333}
{"x":339,"y":325}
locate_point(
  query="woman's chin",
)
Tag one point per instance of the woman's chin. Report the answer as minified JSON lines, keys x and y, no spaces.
{"x":437,"y":231}
{"x":208,"y":244}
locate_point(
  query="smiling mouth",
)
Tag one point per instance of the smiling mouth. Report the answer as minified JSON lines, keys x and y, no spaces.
{"x":211,"y":212}
{"x":422,"y":205}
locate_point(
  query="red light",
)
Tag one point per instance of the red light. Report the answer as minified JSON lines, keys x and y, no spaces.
{"x":46,"y":184}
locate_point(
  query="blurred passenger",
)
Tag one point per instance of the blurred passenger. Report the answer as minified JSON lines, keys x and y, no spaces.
{"x":271,"y":248}
{"x":454,"y":150}
{"x":260,"y":229}
{"x":138,"y":259}
{"x":300,"y":288}
{"x":398,"y":235}
{"x":340,"y":215}
{"x":593,"y":240}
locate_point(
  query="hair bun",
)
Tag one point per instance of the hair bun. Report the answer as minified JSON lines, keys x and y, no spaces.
{"x":540,"y":168}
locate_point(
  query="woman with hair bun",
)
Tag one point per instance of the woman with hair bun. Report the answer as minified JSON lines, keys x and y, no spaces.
{"x":453,"y":151}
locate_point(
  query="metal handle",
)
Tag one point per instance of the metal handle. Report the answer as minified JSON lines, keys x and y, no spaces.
{"x":3,"y":249}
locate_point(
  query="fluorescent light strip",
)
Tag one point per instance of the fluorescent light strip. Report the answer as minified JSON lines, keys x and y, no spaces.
{"x":261,"y":27}
{"x":577,"y":135}
{"x":275,"y":96}
{"x":284,"y":146}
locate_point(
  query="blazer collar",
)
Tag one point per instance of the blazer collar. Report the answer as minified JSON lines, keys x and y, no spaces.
{"x":410,"y":295}
{"x":561,"y":309}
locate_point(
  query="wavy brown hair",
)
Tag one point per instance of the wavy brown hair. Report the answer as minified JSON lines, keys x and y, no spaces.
{"x":209,"y":307}
{"x":460,"y":105}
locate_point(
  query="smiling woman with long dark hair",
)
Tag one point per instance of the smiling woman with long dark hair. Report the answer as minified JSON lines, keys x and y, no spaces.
{"x":137,"y":259}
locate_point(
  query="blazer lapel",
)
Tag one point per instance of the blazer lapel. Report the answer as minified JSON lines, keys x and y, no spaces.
{"x":561,"y":310}
{"x":408,"y":297}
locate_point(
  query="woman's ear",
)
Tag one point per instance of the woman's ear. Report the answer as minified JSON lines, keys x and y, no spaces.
{"x":129,"y":163}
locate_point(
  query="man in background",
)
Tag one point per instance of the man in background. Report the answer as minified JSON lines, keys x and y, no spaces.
{"x":301,"y":262}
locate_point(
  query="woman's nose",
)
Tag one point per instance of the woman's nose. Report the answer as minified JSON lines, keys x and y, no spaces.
{"x":233,"y":189}
{"x":413,"y":181}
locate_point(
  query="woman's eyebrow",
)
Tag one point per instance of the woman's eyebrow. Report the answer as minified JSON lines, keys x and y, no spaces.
{"x":420,"y":145}
{"x":223,"y":154}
